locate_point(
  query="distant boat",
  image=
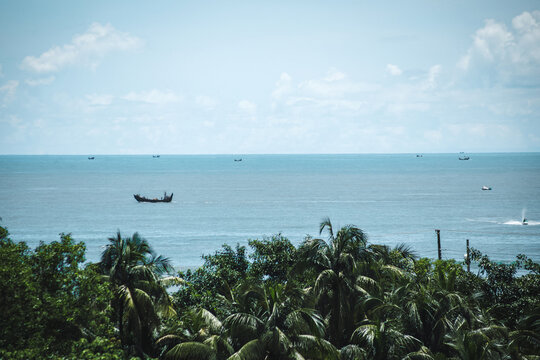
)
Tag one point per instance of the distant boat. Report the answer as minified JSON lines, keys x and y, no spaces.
{"x":524,"y":222}
{"x":238,"y":159}
{"x":417,"y":155}
{"x":91,"y":158}
{"x":155,"y":156}
{"x":165,"y":198}
{"x":486,"y":187}
{"x":464,"y":158}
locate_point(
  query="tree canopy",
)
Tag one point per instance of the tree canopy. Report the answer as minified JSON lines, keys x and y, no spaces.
{"x":333,"y":297}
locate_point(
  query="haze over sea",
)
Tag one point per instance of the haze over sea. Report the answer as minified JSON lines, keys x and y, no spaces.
{"x":393,"y":198}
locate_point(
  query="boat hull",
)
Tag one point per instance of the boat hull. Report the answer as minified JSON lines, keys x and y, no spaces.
{"x":164,"y":199}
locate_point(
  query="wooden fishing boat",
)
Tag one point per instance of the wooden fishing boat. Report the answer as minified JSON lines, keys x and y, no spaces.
{"x":165,"y":198}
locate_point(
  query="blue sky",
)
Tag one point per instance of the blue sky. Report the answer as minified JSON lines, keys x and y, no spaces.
{"x":236,"y":77}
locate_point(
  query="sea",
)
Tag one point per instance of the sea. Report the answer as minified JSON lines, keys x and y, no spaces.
{"x":393,"y":198}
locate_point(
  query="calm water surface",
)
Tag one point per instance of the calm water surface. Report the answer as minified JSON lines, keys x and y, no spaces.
{"x":394,"y":198}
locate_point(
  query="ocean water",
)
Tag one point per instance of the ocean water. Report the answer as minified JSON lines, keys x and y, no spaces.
{"x":393,"y":198}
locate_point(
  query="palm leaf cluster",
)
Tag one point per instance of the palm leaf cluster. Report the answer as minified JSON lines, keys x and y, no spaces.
{"x":140,"y":298}
{"x":333,"y":297}
{"x":346,"y":299}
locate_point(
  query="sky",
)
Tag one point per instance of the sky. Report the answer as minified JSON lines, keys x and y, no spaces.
{"x":272,"y":77}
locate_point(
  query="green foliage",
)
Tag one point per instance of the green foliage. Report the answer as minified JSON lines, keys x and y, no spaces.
{"x":18,"y":296}
{"x":423,"y":270}
{"x":140,"y":299}
{"x":49,"y":302}
{"x":219,"y":273}
{"x":334,"y":298}
{"x":228,"y":265}
{"x":506,"y":296}
{"x":272,"y":258}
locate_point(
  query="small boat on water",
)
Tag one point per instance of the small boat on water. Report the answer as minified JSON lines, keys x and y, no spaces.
{"x":155,"y":156}
{"x":91,"y":158}
{"x":524,"y":222}
{"x":486,"y":187}
{"x":464,"y":158}
{"x":419,"y":155}
{"x":165,"y":198}
{"x":238,"y":159}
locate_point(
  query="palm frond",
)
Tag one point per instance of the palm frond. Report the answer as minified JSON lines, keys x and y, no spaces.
{"x":364,"y":335}
{"x":169,"y":340}
{"x":326,"y":223}
{"x":219,"y":344}
{"x":314,"y":347}
{"x":211,"y":321}
{"x":191,"y":351}
{"x":253,"y":350}
{"x":423,"y":354}
{"x":171,"y":281}
{"x":352,"y":352}
{"x":244,"y":324}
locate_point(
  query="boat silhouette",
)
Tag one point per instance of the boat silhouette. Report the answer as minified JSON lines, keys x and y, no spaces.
{"x":165,"y":198}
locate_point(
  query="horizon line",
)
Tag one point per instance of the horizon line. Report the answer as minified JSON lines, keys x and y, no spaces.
{"x":250,"y":154}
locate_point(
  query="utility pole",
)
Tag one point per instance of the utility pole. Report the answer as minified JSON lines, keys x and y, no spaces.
{"x":468,"y":260}
{"x":438,"y":232}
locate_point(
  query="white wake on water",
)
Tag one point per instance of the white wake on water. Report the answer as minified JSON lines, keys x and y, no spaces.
{"x":508,"y":222}
{"x":517,"y":222}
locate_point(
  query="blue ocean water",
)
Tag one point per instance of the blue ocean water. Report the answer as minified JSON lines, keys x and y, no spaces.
{"x":393,"y":198}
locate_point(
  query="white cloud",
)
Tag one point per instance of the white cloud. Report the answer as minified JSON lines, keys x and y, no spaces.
{"x":99,"y":100}
{"x":153,"y":97}
{"x":500,"y":54}
{"x":283,"y":86}
{"x":7,"y":91}
{"x":247,"y":106}
{"x":393,"y":70}
{"x":40,"y":81}
{"x":433,"y":73}
{"x":87,"y":48}
{"x":206,"y":102}
{"x":334,"y":75}
{"x":334,"y":85}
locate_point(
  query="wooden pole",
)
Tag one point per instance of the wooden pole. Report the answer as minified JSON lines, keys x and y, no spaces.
{"x":438,"y":232}
{"x":468,"y":258}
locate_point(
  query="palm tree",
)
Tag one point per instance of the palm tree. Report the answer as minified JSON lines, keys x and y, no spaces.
{"x":426,"y":310}
{"x":140,"y":295}
{"x":525,"y":340}
{"x":334,"y":261}
{"x":199,"y":336}
{"x":277,"y":328}
{"x":469,"y":342}
{"x":382,"y":340}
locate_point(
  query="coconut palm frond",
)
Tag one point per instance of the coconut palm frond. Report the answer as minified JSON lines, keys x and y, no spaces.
{"x":365,"y":335}
{"x":169,"y":340}
{"x":241,"y":322}
{"x":314,"y":347}
{"x":190,"y":351}
{"x":326,"y":223}
{"x":171,"y":281}
{"x":422,"y":354}
{"x":212,"y":322}
{"x":253,"y":350}
{"x":394,"y":271}
{"x":352,"y":352}
{"x":219,"y":344}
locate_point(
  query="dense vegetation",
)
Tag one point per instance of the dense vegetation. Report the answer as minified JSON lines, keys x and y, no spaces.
{"x":334,"y":298}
